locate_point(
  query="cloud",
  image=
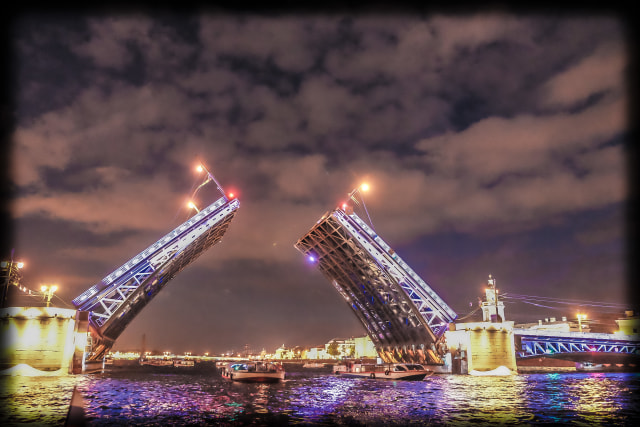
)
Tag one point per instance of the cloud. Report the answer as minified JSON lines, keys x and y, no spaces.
{"x":597,"y":73}
{"x":108,"y":45}
{"x":525,"y":144}
{"x":286,"y":41}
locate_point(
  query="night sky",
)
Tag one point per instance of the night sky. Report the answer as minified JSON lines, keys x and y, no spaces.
{"x":493,"y":144}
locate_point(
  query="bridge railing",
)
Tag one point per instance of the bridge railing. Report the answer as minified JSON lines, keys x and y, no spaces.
{"x":435,"y":311}
{"x":545,"y":343}
{"x":139,"y":260}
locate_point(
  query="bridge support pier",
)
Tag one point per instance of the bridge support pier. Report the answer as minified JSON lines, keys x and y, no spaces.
{"x":43,"y":338}
{"x":481,"y":346}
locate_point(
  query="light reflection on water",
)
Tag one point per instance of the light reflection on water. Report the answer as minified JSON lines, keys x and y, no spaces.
{"x":134,"y":397}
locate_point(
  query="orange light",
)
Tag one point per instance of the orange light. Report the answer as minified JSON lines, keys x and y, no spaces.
{"x":231,"y":195}
{"x":193,"y":206}
{"x":199,"y":168}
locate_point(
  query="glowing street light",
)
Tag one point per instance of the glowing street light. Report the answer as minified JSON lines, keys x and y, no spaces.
{"x":48,"y":292}
{"x":364,"y":187}
{"x":202,"y":168}
{"x":10,"y":270}
{"x":193,"y":206}
{"x":581,"y":317}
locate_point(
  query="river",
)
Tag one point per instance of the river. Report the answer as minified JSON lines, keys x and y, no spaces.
{"x":180,"y":397}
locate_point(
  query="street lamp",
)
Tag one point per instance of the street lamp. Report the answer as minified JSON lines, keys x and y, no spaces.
{"x":48,"y":291}
{"x":581,"y":317}
{"x":193,"y":206}
{"x":12,"y":277}
{"x":201,"y":168}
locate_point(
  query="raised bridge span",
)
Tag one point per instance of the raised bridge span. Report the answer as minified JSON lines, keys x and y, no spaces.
{"x":402,"y":315}
{"x":115,"y":301}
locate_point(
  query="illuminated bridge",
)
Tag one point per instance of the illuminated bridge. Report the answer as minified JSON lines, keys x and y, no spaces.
{"x":115,"y":301}
{"x":577,"y":346}
{"x":403,"y":316}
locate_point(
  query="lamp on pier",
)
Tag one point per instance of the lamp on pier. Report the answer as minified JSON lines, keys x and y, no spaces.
{"x":581,"y":317}
{"x":48,"y":291}
{"x":11,"y":272}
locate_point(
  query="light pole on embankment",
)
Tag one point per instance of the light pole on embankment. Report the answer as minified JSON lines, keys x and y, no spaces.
{"x":9,"y":268}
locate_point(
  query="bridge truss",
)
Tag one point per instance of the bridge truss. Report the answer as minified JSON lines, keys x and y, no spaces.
{"x":403,"y":316}
{"x":574,"y":344}
{"x":120,"y":296}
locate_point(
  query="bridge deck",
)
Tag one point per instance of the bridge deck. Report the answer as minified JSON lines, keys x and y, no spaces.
{"x":402,"y":314}
{"x":119,"y":297}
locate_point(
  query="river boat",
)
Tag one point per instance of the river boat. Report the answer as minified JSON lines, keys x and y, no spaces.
{"x":156,"y":362}
{"x":313,"y":365}
{"x":388,"y":371}
{"x":184,"y":363}
{"x":257,"y":372}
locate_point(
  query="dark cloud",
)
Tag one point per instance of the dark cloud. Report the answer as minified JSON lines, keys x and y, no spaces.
{"x":493,"y":143}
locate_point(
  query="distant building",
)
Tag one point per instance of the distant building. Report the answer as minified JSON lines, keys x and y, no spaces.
{"x":317,"y":353}
{"x":630,"y":325}
{"x":364,"y":348}
{"x":554,"y":325}
{"x":284,"y":353}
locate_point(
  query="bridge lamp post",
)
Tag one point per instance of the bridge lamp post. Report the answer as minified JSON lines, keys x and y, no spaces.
{"x":12,"y":276}
{"x":364,"y":187}
{"x":193,"y":206}
{"x":48,"y":291}
{"x":201,"y":168}
{"x":581,"y":317}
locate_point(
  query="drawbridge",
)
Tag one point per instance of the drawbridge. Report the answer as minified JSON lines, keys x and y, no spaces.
{"x":114,"y":302}
{"x":403,"y":316}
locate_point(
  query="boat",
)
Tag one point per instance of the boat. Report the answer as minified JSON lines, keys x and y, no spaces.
{"x":258,"y":372}
{"x":184,"y":363}
{"x":156,"y":362}
{"x":313,"y":365}
{"x":389,"y":371}
{"x":590,"y":367}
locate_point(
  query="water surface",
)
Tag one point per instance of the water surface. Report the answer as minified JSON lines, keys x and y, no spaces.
{"x":176,"y":397}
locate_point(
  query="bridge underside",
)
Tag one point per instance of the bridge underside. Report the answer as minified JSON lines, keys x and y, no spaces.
{"x":394,"y":324}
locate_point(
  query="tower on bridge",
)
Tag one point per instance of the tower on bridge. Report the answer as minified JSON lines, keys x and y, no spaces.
{"x":403,"y":316}
{"x":492,"y":307}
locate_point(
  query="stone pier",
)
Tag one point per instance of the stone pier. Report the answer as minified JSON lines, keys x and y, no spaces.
{"x":44,"y":338}
{"x":481,"y":346}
